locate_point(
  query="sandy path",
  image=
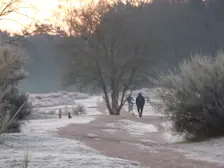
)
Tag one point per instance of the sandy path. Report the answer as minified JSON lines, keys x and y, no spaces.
{"x":150,"y":149}
{"x":120,"y":144}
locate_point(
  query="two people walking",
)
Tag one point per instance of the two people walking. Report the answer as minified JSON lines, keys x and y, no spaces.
{"x":140,"y":102}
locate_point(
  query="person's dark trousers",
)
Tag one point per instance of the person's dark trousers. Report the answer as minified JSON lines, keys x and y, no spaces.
{"x":140,"y":110}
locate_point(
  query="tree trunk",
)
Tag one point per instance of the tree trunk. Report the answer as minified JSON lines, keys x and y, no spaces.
{"x":113,"y":108}
{"x":114,"y":104}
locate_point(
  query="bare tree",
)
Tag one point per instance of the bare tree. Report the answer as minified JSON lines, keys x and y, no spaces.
{"x":108,"y":54}
{"x":9,"y":8}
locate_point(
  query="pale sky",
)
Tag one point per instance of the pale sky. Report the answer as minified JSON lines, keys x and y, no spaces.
{"x":42,"y":12}
{"x":36,"y":10}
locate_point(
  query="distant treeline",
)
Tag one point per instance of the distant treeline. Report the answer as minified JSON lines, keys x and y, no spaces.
{"x":182,"y":27}
{"x":175,"y":28}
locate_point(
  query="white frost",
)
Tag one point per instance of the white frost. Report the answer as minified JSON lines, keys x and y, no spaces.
{"x":55,"y":99}
{"x":134,"y":128}
{"x":173,"y":138}
{"x":168,"y":135}
{"x":45,"y":125}
{"x":45,"y":151}
{"x":110,"y":131}
{"x":51,"y":103}
{"x":210,"y":151}
{"x":90,"y":104}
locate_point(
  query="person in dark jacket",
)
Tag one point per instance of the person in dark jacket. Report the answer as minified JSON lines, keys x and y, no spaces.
{"x":140,"y":102}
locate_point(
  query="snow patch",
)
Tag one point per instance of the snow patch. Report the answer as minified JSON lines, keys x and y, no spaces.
{"x":211,"y":150}
{"x":172,"y":137}
{"x":45,"y":125}
{"x":134,"y":128}
{"x":169,"y":135}
{"x":55,"y":99}
{"x":90,"y":104}
{"x":54,"y":110}
{"x":44,"y":150}
{"x":147,"y":148}
{"x":143,"y":147}
{"x":51,"y":103}
{"x":110,"y":131}
{"x":148,"y":141}
{"x":90,"y":135}
{"x":50,"y":152}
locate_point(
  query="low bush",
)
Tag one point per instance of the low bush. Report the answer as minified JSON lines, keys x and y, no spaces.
{"x":13,"y":104}
{"x":193,"y":98}
{"x":15,"y":100}
{"x":78,"y":110}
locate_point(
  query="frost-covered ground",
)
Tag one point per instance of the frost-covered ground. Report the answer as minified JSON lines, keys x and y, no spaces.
{"x":55,"y":99}
{"x":48,"y":151}
{"x":210,"y":150}
{"x":169,"y":135}
{"x":45,"y":126}
{"x":51,"y":152}
{"x":50,"y":103}
{"x":133,"y":128}
{"x":43,"y":148}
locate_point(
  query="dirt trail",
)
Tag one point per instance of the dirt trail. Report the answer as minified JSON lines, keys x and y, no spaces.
{"x":120,"y":144}
{"x":150,"y":149}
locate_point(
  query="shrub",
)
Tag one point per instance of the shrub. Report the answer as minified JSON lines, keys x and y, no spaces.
{"x":194,"y":97}
{"x":14,"y":100}
{"x":78,"y":110}
{"x":11,"y":72}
